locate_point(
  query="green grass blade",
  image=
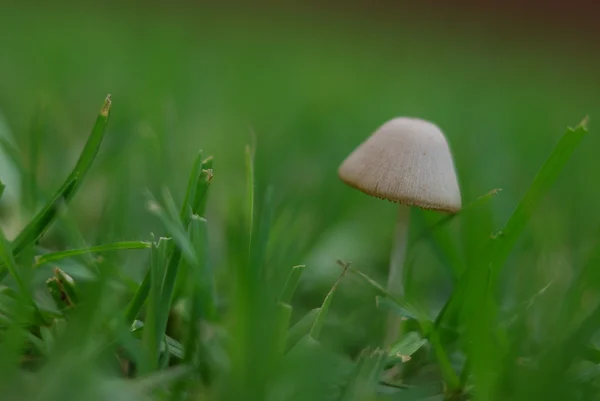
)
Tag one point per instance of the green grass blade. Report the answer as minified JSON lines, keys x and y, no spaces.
{"x":2,"y":188}
{"x":374,"y":284}
{"x":6,"y":256}
{"x":284,"y":315}
{"x":38,"y":226}
{"x":202,"y":307}
{"x":250,"y":188}
{"x":506,"y":239}
{"x":403,"y":310}
{"x":291,"y":284}
{"x":258,"y":251}
{"x":203,"y":286}
{"x":117,"y":246}
{"x":153,"y":334}
{"x":190,"y":193}
{"x":442,"y":244}
{"x":502,"y":244}
{"x":388,"y":301}
{"x":321,"y":316}
{"x":201,"y":193}
{"x":175,"y":348}
{"x":184,"y":245}
{"x":317,"y":326}
{"x":173,"y":225}
{"x":451,"y":378}
{"x":441,"y":241}
{"x":465,"y":210}
{"x":410,"y":343}
{"x":198,"y":182}
{"x":364,"y":382}
{"x":40,"y":223}
{"x":199,"y":279}
{"x":137,"y":302}
{"x":301,"y":328}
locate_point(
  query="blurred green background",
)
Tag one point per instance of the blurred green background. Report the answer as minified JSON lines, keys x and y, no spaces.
{"x":307,"y":85}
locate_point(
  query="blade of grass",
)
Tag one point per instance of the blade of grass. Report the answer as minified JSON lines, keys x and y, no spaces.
{"x":41,"y":260}
{"x":301,"y":328}
{"x":202,"y":291}
{"x":170,"y":219}
{"x":374,"y":284}
{"x":202,"y":305}
{"x":201,"y":195}
{"x":284,"y":315}
{"x":506,"y":239}
{"x":466,"y":209}
{"x":291,"y":284}
{"x":197,"y":191}
{"x":203,"y":285}
{"x":37,"y":227}
{"x":153,"y":334}
{"x":404,"y":311}
{"x":6,"y":256}
{"x":386,"y":300}
{"x":502,"y":244}
{"x":410,"y":343}
{"x":190,"y":193}
{"x":40,"y":223}
{"x":365,"y":380}
{"x":442,"y":244}
{"x":479,"y":308}
{"x":250,"y":191}
{"x":256,"y":327}
{"x":195,"y":204}
{"x":258,"y":251}
{"x":451,"y":379}
{"x":175,"y":264}
{"x":317,"y":327}
{"x":199,"y":237}
{"x":137,"y":302}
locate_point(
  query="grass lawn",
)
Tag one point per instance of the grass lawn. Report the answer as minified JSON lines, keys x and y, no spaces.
{"x":189,"y":238}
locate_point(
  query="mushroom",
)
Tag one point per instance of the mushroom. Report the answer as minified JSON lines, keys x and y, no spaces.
{"x":408,"y":161}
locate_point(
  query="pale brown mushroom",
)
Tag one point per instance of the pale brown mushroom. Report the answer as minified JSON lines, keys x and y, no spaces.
{"x":408,"y":161}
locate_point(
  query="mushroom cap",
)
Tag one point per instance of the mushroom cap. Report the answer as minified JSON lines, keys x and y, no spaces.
{"x":407,"y":160}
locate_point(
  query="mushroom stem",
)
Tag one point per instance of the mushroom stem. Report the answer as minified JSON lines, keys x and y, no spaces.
{"x":396,"y":273}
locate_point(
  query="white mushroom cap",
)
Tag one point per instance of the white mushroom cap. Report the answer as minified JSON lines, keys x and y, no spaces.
{"x":407,"y":160}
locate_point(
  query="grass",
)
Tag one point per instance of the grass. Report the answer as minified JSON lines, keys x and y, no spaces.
{"x":261,"y":338}
{"x":142,"y":268}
